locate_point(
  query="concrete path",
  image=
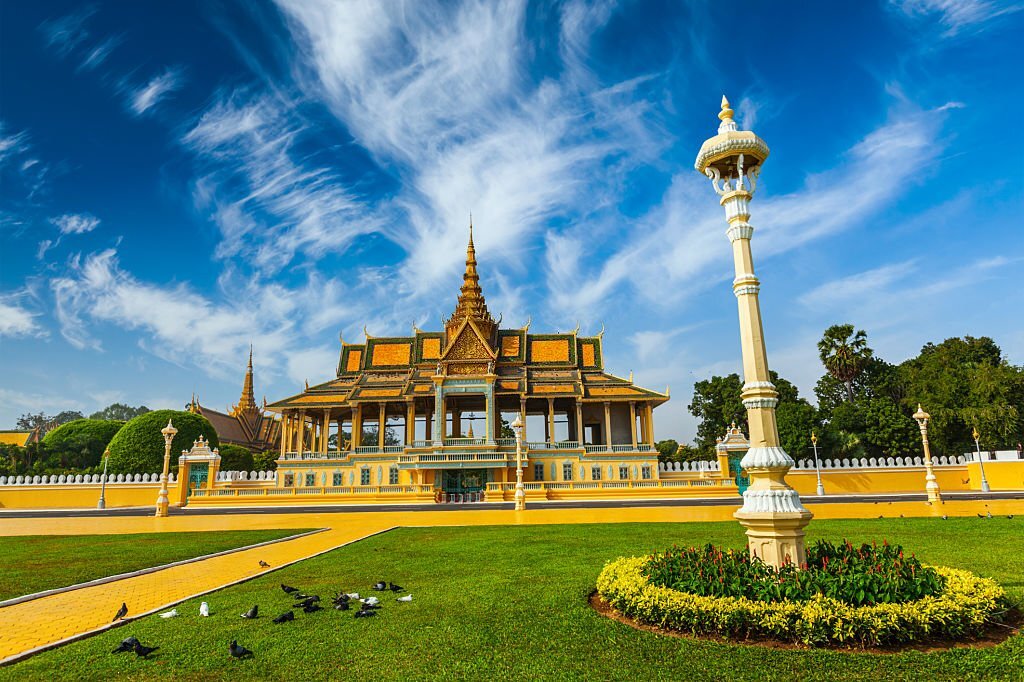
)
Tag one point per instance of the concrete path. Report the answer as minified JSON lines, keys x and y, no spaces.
{"x":50,"y":620}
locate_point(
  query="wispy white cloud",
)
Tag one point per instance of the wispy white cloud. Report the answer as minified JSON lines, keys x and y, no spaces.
{"x":857,"y":287}
{"x":97,"y":54}
{"x":66,"y":33}
{"x":17,"y":320}
{"x":75,"y":223}
{"x":957,"y":16}
{"x":143,"y":98}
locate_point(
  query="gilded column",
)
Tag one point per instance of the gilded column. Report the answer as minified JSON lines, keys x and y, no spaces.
{"x":382,"y":426}
{"x":410,"y":423}
{"x":772,"y":511}
{"x":284,"y":433}
{"x":551,"y":420}
{"x":579,"y":422}
{"x":302,"y":431}
{"x":650,"y":424}
{"x":608,"y":425}
{"x":357,"y":426}
{"x":522,"y":416}
{"x":327,"y":431}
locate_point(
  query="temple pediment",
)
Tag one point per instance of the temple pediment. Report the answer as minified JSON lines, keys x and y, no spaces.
{"x":468,"y":344}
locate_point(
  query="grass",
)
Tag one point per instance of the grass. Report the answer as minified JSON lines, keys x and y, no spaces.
{"x":510,"y":603}
{"x":45,"y":562}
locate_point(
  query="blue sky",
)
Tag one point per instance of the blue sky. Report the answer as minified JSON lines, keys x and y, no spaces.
{"x":178,"y":180}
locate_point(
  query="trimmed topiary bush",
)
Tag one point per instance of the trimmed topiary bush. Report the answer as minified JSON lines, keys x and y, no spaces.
{"x":964,"y":607}
{"x":138,"y":448}
{"x":80,"y":443}
{"x":265,"y":461}
{"x":235,"y":458}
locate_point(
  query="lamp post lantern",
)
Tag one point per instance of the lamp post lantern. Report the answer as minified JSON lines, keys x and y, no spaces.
{"x":814,"y":442}
{"x":931,"y":485}
{"x":520,"y":496}
{"x":161,"y":501}
{"x":977,"y":447}
{"x":772,"y":512}
{"x":102,"y":504}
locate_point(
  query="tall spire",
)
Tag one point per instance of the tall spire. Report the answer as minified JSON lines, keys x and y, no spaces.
{"x":471,"y":302}
{"x":247,"y":403}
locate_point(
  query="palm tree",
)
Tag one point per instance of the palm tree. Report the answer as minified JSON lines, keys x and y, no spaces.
{"x":845,"y":354}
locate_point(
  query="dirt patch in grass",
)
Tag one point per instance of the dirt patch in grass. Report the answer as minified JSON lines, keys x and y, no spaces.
{"x":996,"y":634}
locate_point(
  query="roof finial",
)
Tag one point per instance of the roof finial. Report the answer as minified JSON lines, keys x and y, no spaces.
{"x":726,"y":112}
{"x":250,"y":356}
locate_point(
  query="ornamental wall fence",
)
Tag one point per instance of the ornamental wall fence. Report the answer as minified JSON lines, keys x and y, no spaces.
{"x":114,"y":479}
{"x":881,"y":462}
{"x":695,"y":467}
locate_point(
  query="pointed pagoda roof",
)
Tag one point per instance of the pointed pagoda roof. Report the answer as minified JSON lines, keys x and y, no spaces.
{"x":471,"y":304}
{"x":247,"y":401}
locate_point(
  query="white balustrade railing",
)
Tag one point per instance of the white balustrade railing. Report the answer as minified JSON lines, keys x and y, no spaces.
{"x":83,"y":479}
{"x":688,"y":466}
{"x":879,"y":462}
{"x":247,"y":476}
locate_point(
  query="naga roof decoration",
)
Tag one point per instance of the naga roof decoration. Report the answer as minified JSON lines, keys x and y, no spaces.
{"x":529,"y":365}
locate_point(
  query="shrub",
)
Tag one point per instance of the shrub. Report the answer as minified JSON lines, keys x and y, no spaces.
{"x":869,"y":574}
{"x":235,"y":458}
{"x":963,"y":608}
{"x":265,"y":461}
{"x":80,"y":443}
{"x":138,"y":448}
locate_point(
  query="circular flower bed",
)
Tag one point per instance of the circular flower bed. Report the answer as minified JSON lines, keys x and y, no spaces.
{"x":814,"y":606}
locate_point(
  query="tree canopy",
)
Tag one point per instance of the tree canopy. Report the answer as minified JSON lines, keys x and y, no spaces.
{"x":138,"y":448}
{"x":119,"y":411}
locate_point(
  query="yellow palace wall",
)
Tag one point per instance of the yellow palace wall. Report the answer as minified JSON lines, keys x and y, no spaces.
{"x":76,"y":496}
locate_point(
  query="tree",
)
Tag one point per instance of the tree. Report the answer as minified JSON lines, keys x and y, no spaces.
{"x":796,"y":421}
{"x":264,"y":461}
{"x":79,"y":444}
{"x":236,"y":458}
{"x":45,"y":423}
{"x":120,"y":412}
{"x":138,"y":448}
{"x":667,"y":450}
{"x":844,"y":353}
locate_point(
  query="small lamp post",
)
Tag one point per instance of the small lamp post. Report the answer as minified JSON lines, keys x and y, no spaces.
{"x":520,"y":496}
{"x":814,"y":442}
{"x":161,"y":501}
{"x":102,"y":504}
{"x":931,"y":485}
{"x":977,"y":447}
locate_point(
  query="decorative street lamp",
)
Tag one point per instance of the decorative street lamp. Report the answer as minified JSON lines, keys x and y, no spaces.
{"x":931,"y":485}
{"x":977,"y":446}
{"x":520,"y":496}
{"x":814,"y":441}
{"x":161,"y":501}
{"x":102,"y":504}
{"x":772,"y":512}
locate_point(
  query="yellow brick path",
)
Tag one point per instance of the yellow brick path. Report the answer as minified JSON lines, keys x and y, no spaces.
{"x":52,"y":619}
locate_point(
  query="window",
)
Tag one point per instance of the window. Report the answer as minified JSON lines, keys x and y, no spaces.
{"x":364,"y":476}
{"x":567,"y":472}
{"x":336,"y":479}
{"x":623,"y":472}
{"x":393,"y":476}
{"x":595,"y":472}
{"x":289,"y":480}
{"x":310,"y":480}
{"x":538,"y":472}
{"x":646,"y":472}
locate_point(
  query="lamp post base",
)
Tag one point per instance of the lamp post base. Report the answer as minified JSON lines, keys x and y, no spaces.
{"x":820,"y":490}
{"x":162,"y":503}
{"x":776,"y":538}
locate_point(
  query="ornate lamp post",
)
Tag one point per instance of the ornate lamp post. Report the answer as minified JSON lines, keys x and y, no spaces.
{"x":931,"y":485}
{"x":977,"y":447}
{"x":520,"y":496}
{"x":102,"y":504}
{"x":772,"y":512}
{"x":814,"y":442}
{"x":161,"y":501}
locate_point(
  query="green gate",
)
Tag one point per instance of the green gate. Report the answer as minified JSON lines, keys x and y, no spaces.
{"x":197,"y":475}
{"x":737,"y":473}
{"x":464,"y":485}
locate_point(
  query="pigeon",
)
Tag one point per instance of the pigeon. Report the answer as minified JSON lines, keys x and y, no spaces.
{"x":289,"y":590}
{"x":407,"y":597}
{"x":981,"y":516}
{"x":365,"y":613}
{"x":340,"y":598}
{"x":396,"y":588}
{"x":1010,"y":516}
{"x":945,"y":517}
{"x":341,"y":606}
{"x":311,"y":608}
{"x":285,"y":617}
{"x":988,"y":515}
{"x":143,"y":651}
{"x":238,"y":651}
{"x":263,"y":564}
{"x":880,"y":516}
{"x":371,"y":601}
{"x":169,"y":614}
{"x":306,"y":602}
{"x":352,"y":595}
{"x":204,"y":609}
{"x":127,"y":644}
{"x":380,"y":587}
{"x":121,"y":612}
{"x":252,"y":613}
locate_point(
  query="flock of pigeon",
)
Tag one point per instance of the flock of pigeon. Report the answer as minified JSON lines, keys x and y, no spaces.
{"x":309,"y":603}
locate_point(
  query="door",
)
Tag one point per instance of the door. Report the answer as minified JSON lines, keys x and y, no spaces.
{"x":739,"y":475}
{"x":197,"y":475}
{"x":464,"y":485}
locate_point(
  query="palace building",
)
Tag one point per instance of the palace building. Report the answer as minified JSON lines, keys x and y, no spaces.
{"x":430,"y":413}
{"x":243,"y":424}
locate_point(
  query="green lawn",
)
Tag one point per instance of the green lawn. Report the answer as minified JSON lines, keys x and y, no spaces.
{"x":510,"y":603}
{"x":44,"y":562}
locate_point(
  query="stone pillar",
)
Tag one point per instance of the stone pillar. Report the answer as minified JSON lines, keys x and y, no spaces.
{"x":551,"y":421}
{"x":650,"y":424}
{"x":579,"y":422}
{"x":302,"y":431}
{"x":608,"y":425}
{"x":632,"y":421}
{"x":327,"y":431}
{"x":410,"y":422}
{"x":382,"y":421}
{"x":522,"y":416}
{"x":357,"y":426}
{"x":428,"y":425}
{"x":456,"y":419}
{"x":284,"y":433}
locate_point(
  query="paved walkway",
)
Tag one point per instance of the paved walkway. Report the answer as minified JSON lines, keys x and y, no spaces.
{"x":49,"y":620}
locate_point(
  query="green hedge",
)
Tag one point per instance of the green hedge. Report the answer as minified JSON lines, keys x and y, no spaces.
{"x":138,"y":448}
{"x":80,"y":443}
{"x":235,"y":458}
{"x":966,"y":605}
